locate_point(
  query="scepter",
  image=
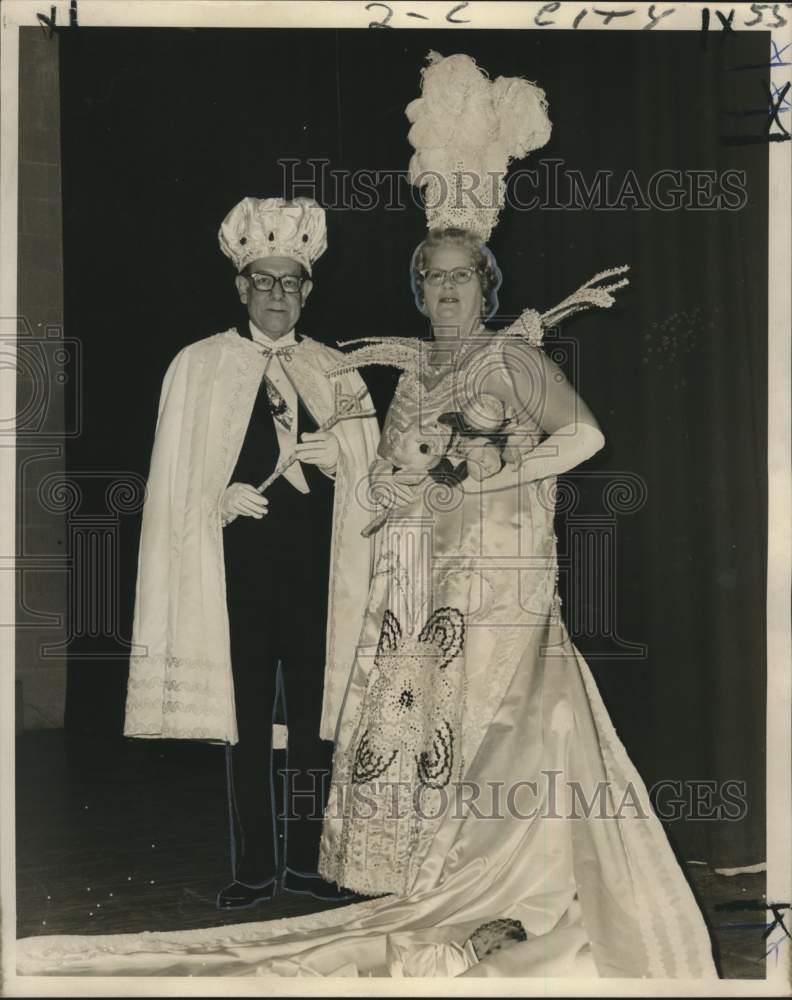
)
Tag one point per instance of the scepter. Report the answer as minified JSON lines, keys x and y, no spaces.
{"x":345,"y":405}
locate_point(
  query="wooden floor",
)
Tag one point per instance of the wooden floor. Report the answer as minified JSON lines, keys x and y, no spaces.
{"x":123,"y":836}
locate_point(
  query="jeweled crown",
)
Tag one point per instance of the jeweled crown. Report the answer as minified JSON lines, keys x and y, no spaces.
{"x":274,"y":227}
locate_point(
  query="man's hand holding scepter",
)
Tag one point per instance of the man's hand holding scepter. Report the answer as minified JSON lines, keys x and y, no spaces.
{"x":321,"y":447}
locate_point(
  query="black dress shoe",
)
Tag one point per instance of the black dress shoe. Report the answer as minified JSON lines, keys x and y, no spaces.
{"x":312,"y":884}
{"x":239,"y":896}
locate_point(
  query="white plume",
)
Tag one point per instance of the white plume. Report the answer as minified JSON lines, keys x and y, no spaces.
{"x":465,"y":131}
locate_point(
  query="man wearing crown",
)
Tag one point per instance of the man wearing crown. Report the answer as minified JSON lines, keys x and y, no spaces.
{"x":244,"y":615}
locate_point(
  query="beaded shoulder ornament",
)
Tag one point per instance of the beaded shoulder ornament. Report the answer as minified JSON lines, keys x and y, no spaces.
{"x":405,"y":352}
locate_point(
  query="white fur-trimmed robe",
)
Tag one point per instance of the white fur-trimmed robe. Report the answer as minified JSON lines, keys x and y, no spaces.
{"x":180,"y":680}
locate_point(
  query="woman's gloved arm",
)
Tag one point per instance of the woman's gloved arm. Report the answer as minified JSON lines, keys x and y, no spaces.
{"x":561,"y":451}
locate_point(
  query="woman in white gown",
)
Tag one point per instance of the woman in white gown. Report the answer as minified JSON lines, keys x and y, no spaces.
{"x":465,"y":582}
{"x":477,"y":774}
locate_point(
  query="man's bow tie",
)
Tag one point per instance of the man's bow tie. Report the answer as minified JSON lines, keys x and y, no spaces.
{"x":278,"y":352}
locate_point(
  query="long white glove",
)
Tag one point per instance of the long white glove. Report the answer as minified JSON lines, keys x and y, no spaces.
{"x":561,"y":451}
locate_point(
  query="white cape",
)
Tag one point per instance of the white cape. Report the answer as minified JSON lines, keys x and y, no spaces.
{"x":180,"y":681}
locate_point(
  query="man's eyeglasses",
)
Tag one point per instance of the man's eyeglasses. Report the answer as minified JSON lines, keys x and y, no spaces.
{"x":437,"y":276}
{"x":263,"y":282}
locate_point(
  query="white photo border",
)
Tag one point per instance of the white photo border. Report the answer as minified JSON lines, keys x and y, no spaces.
{"x":454,"y":16}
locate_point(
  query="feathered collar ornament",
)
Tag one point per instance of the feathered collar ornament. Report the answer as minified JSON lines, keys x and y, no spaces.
{"x":405,"y":352}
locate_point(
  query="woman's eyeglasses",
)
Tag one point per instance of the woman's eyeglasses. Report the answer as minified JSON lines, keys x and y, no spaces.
{"x":437,"y":276}
{"x":263,"y":282}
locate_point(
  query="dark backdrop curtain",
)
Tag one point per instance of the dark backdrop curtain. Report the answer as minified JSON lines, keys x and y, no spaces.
{"x":164,"y":131}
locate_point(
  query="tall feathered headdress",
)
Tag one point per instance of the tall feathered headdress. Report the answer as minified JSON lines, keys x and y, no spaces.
{"x":466,"y":129}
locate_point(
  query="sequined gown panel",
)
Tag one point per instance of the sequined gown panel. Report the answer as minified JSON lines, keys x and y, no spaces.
{"x":462,"y":580}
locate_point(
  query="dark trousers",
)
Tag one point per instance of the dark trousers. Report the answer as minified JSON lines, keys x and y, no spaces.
{"x":277,"y":577}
